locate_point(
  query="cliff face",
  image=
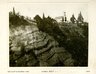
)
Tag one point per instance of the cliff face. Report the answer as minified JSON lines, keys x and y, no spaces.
{"x":47,"y":42}
{"x":31,"y":47}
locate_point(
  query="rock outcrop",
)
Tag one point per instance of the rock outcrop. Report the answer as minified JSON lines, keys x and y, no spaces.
{"x":31,"y":47}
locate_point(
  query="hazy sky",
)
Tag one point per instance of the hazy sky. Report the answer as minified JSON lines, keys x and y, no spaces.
{"x":51,"y":9}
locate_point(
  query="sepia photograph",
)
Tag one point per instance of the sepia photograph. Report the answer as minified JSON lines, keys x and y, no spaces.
{"x":48,"y":35}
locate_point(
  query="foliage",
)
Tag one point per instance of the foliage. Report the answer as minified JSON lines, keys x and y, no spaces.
{"x":72,"y":36}
{"x":50,"y":26}
{"x":80,"y":18}
{"x":16,"y":19}
{"x":73,"y":19}
{"x":77,"y":42}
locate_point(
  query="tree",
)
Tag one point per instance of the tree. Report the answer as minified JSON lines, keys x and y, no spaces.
{"x":37,"y":18}
{"x":65,"y":18}
{"x":13,"y":11}
{"x":39,"y":22}
{"x":43,"y":16}
{"x":80,"y":18}
{"x":73,"y":19}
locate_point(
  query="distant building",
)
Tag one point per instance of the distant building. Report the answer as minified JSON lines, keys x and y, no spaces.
{"x":61,"y":18}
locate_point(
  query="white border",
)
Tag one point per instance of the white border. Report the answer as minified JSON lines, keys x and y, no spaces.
{"x":4,"y":45}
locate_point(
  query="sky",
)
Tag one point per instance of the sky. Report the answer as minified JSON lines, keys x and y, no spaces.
{"x":51,"y":9}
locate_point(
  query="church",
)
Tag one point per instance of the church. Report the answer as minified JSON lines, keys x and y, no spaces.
{"x":61,"y":18}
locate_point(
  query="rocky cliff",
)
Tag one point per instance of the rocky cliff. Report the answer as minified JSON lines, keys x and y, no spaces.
{"x":31,"y":47}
